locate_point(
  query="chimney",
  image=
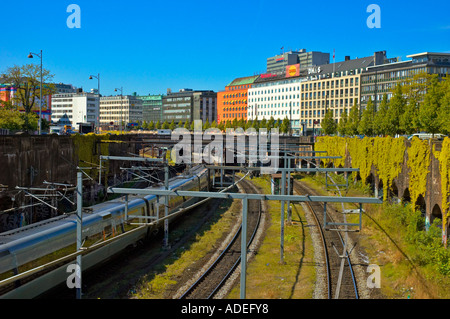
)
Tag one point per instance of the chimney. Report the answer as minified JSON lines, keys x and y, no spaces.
{"x":347,"y":58}
{"x":379,"y":57}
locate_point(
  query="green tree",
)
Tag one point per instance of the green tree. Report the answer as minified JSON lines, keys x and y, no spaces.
{"x":27,"y":80}
{"x":263,"y":123}
{"x":367,"y":123}
{"x":343,"y":124}
{"x":380,"y":125}
{"x":14,"y":120}
{"x":430,"y":108}
{"x":353,"y":120}
{"x":151,"y":126}
{"x":255,"y":125}
{"x":396,"y":108}
{"x":187,"y":125}
{"x":165,"y":125}
{"x":329,"y":125}
{"x":206,"y":125}
{"x":172,"y":125}
{"x":158,"y":125}
{"x":285,"y":125}
{"x":271,"y":123}
{"x":409,"y":120}
{"x":248,"y":124}
{"x":444,"y":111}
{"x":234,"y":123}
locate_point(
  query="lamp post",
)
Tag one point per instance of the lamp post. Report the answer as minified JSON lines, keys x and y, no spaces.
{"x":98,"y":92}
{"x":30,"y":56}
{"x":121,"y":107}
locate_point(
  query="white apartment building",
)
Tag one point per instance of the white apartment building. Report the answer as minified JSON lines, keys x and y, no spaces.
{"x":304,"y":99}
{"x":278,"y":98}
{"x":79,"y":107}
{"x":120,"y":109}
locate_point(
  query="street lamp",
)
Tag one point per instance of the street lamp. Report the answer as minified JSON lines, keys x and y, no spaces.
{"x":91,"y":77}
{"x":121,"y":106}
{"x":30,"y":56}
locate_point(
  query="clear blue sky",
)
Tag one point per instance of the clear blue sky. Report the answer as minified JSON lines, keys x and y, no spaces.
{"x":148,"y":46}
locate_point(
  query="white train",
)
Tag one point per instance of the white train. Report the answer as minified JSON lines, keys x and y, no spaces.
{"x":37,"y":244}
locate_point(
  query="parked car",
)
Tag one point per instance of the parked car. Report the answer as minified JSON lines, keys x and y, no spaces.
{"x":427,"y":136}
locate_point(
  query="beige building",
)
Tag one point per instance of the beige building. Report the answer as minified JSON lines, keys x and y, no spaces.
{"x":120,"y":109}
{"x":304,"y":99}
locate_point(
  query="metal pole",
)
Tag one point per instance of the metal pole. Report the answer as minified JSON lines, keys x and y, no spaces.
{"x":283,"y":188}
{"x":244,"y":248}
{"x":100,"y":173}
{"x":40,"y":102}
{"x":289,"y":192}
{"x":79,"y":231}
{"x":166,"y":207}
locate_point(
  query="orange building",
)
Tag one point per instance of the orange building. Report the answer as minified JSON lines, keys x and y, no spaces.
{"x":232,"y":103}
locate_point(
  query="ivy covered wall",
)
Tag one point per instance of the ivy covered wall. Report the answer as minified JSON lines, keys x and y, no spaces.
{"x":385,"y":157}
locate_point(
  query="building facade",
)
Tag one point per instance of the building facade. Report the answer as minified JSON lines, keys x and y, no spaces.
{"x":78,"y":108}
{"x":303,"y":97}
{"x":188,"y":105}
{"x":232,"y":103}
{"x":152,"y":108}
{"x":120,"y":110}
{"x":277,"y":64}
{"x":382,"y":79}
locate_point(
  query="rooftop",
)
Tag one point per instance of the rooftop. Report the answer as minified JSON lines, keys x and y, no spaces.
{"x":244,"y":80}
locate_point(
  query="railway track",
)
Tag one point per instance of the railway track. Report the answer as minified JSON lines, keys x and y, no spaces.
{"x":341,"y":280}
{"x":212,"y":280}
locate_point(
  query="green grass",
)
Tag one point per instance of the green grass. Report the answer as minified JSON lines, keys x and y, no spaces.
{"x":166,"y":276}
{"x":413,"y":262}
{"x":267,"y":277}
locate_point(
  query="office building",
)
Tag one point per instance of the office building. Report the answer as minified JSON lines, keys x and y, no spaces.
{"x":382,"y":79}
{"x":304,"y":96}
{"x":120,"y":110}
{"x":189,"y":105}
{"x":232,"y":103}
{"x":151,"y":108}
{"x":80,"y":107}
{"x":278,"y":63}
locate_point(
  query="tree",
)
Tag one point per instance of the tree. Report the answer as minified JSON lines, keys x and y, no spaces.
{"x":263,"y":123}
{"x":444,"y":111}
{"x":270,"y":123}
{"x":430,"y":108}
{"x":329,"y":126}
{"x":343,"y":123}
{"x":172,"y":125}
{"x":353,"y":120}
{"x":187,"y":125}
{"x":207,"y":125}
{"x":15,"y":120}
{"x":165,"y":125}
{"x":367,"y":123}
{"x":409,"y":120}
{"x":26,"y":80}
{"x":158,"y":125}
{"x":151,"y":126}
{"x":380,"y":125}
{"x":395,"y":110}
{"x":285,"y":125}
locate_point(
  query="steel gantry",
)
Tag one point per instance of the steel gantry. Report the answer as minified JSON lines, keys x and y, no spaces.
{"x":245,"y":197}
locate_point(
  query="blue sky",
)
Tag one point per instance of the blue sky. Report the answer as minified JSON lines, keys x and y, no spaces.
{"x":148,"y":46}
